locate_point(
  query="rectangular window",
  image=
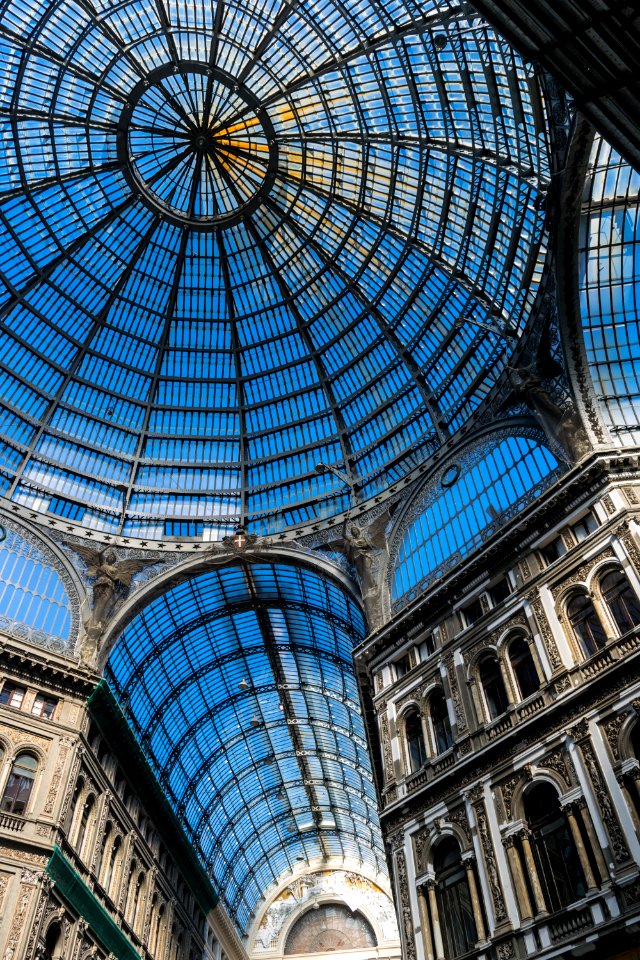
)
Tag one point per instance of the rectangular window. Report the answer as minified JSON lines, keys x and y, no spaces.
{"x":44,"y":706}
{"x":584,"y":527}
{"x":472,"y":612}
{"x":12,"y":695}
{"x":402,"y":666}
{"x":553,"y":550}
{"x":427,"y":647}
{"x":499,"y":591}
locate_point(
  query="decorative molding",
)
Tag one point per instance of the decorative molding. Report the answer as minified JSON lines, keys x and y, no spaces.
{"x":581,"y":573}
{"x":420,"y":844}
{"x":25,"y":737}
{"x":559,"y":762}
{"x":4,"y":883}
{"x":461,"y":820}
{"x":488,"y":854}
{"x":54,"y":787}
{"x":406,"y":925}
{"x":386,"y":749}
{"x":611,"y":728}
{"x":609,"y":817}
{"x":545,"y":631}
{"x":452,"y":677}
{"x":25,"y":895}
{"x":24,"y":856}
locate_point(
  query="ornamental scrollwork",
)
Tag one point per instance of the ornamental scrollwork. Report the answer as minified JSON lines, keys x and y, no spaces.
{"x":612,"y":732}
{"x":405,"y":907}
{"x":609,"y":817}
{"x":489,"y":857}
{"x":545,"y":631}
{"x":559,"y":762}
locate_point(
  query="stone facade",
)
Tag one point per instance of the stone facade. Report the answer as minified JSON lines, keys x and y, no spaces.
{"x":82,"y":804}
{"x":566,"y":726}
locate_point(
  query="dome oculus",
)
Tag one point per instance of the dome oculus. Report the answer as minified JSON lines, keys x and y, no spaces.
{"x":197,"y":145}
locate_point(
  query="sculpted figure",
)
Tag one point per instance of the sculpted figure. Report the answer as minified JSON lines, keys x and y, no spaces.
{"x":112,"y":582}
{"x":560,"y":423}
{"x":364,"y":547}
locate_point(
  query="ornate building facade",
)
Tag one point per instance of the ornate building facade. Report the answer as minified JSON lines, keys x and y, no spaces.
{"x":93,"y":863}
{"x":507,"y":708}
{"x":319,"y":480}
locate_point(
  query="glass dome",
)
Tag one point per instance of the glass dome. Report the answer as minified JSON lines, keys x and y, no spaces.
{"x":240,"y":687}
{"x":240,"y":240}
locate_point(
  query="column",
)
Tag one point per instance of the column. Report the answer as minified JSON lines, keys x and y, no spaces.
{"x":580,"y":848}
{"x":423,"y":910}
{"x":475,"y":900}
{"x":435,"y":920}
{"x":581,"y":806}
{"x":630,"y":787}
{"x":506,"y":679}
{"x":532,"y":872}
{"x":522,"y":894}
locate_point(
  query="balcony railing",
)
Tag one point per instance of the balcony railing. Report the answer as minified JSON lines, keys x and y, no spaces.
{"x":9,"y":822}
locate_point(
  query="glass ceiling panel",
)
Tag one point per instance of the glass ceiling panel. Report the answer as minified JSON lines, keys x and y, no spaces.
{"x":293,"y":231}
{"x":463,"y":504}
{"x":610,"y":288}
{"x":240,"y":687}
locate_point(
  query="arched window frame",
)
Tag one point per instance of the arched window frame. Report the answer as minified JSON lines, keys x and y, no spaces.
{"x":583,"y":648}
{"x":485,"y":712}
{"x":506,"y":648}
{"x":602,"y":605}
{"x":539,"y":840}
{"x":627,"y":748}
{"x":77,"y":802}
{"x":457,"y":920}
{"x":434,"y":745}
{"x":26,"y":750}
{"x":138,"y":900}
{"x":104,"y":846}
{"x":411,"y":764}
{"x":111,"y":879}
{"x":86,"y":824}
{"x":54,"y":950}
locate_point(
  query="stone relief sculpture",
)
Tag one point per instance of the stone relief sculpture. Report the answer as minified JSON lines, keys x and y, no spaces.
{"x":112,"y":582}
{"x":560,"y":422}
{"x":366,"y":547}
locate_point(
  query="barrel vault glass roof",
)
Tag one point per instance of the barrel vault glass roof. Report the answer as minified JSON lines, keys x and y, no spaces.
{"x":241,"y":689}
{"x":239,"y":238}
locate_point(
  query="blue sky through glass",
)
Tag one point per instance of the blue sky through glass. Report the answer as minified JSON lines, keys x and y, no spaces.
{"x":462,"y":502}
{"x":610,"y":288}
{"x":160,"y":357}
{"x":240,"y":687}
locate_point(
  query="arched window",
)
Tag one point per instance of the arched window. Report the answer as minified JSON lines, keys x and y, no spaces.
{"x":524,"y":668}
{"x":454,"y":900}
{"x":621,"y":600}
{"x":87,"y":810}
{"x":442,"y":735}
{"x":554,"y":850}
{"x":138,"y":899}
{"x":153,"y":924}
{"x":495,"y":694}
{"x":20,"y":784}
{"x":585,"y":624}
{"x":632,"y":784}
{"x":110,"y":878}
{"x":102,"y":853}
{"x":53,"y":944}
{"x":416,"y":751}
